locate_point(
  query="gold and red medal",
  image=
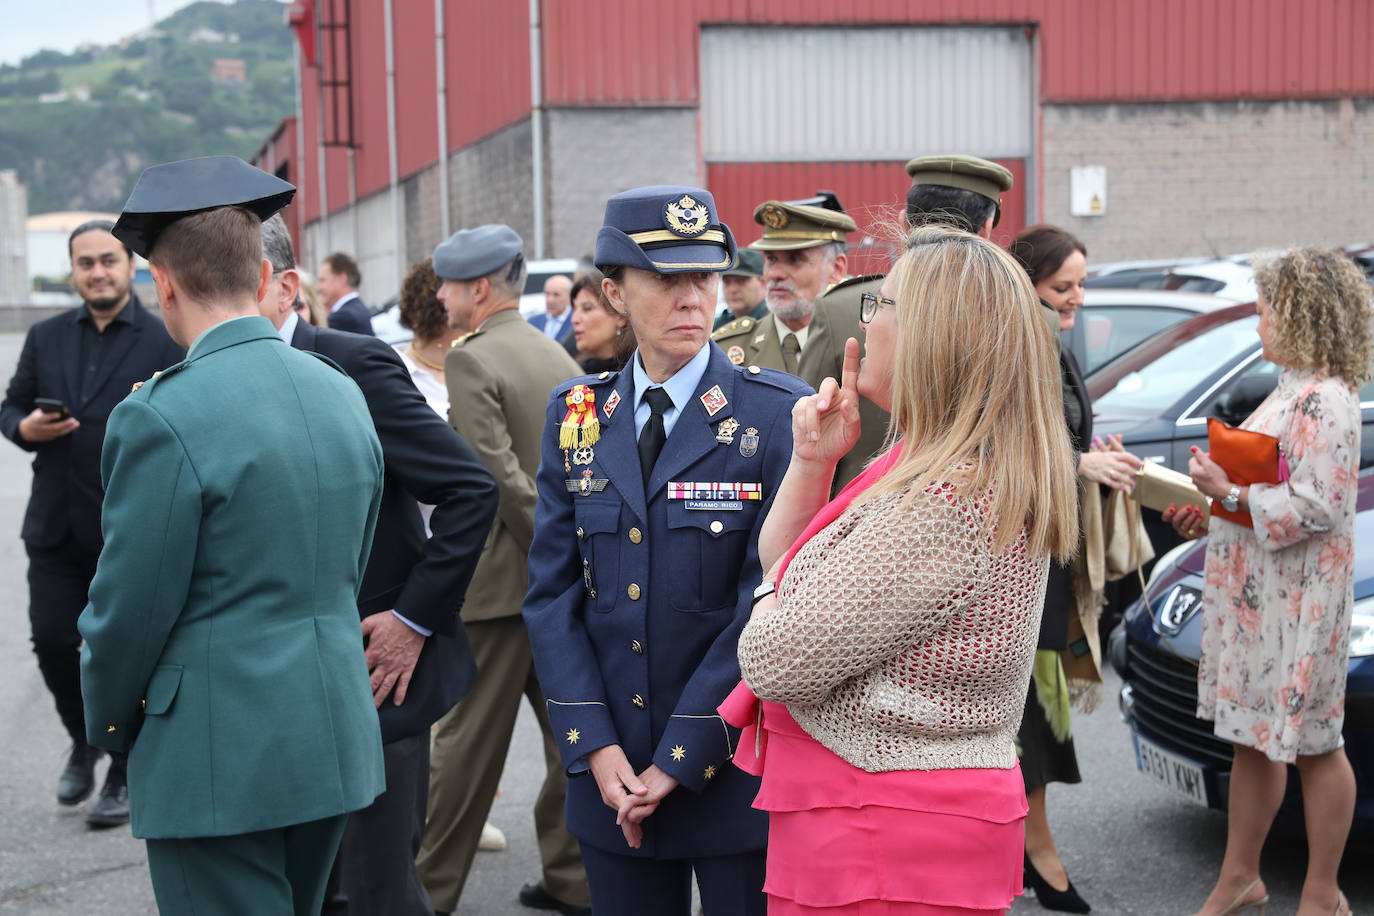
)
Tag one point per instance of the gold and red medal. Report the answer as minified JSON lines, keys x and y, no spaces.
{"x":581,"y":417}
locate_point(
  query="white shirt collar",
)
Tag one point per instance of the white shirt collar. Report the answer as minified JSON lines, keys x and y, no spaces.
{"x":342,"y":299}
{"x":288,"y":327}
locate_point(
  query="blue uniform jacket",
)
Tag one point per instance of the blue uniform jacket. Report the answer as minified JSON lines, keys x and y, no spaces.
{"x":637,"y":600}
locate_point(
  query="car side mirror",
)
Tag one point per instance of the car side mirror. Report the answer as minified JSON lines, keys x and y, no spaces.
{"x":1243,"y":397}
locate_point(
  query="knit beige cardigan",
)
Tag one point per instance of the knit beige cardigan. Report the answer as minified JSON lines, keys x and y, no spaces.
{"x":900,"y":640}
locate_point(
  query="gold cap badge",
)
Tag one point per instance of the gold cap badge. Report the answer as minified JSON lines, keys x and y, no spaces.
{"x":686,"y":217}
{"x":773,"y":217}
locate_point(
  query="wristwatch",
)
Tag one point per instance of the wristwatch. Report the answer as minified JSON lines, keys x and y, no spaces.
{"x":763,"y":591}
{"x":1232,"y":501}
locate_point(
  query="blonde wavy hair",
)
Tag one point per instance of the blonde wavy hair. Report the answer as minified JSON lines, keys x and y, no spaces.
{"x":976,"y":390}
{"x":1320,"y":308}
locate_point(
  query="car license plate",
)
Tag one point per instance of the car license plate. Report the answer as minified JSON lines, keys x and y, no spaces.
{"x":1170,"y":770}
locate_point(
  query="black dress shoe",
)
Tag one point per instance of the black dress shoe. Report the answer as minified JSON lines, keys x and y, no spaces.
{"x":111,"y":809}
{"x":536,"y":897}
{"x":1065,"y":901}
{"x":78,"y":777}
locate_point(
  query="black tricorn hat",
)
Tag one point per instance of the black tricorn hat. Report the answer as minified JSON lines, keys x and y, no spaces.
{"x":166,"y":193}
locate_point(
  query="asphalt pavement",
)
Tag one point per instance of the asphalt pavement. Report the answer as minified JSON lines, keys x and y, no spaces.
{"x":1131,"y":847}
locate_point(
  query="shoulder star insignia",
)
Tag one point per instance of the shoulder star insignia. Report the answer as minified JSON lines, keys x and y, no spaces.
{"x":679,"y":752}
{"x":708,"y":772}
{"x":573,"y":735}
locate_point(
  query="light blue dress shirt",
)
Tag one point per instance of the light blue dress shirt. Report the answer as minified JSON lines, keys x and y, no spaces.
{"x":680,"y":388}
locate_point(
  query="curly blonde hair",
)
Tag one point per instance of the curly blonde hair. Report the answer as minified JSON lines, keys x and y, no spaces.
{"x":1320,"y":308}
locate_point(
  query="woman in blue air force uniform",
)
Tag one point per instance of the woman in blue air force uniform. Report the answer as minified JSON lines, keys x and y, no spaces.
{"x":652,"y":486}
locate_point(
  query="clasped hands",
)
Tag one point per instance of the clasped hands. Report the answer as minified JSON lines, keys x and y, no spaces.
{"x":632,"y":797}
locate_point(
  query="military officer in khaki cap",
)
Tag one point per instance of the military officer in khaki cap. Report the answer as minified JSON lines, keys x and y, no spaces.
{"x":803,"y":249}
{"x":960,"y":191}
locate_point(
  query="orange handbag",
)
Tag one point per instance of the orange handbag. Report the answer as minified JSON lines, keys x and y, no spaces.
{"x":1247,"y":457}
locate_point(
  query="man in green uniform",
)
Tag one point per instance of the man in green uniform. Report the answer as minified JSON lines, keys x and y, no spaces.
{"x":803,"y":248}
{"x":742,"y":289}
{"x":221,"y":638}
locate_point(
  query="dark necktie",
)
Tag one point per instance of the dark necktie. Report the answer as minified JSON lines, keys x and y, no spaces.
{"x":652,"y":436}
{"x":790,"y":348}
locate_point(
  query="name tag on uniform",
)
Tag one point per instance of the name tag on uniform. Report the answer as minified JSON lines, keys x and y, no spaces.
{"x":715,"y":505}
{"x":714,"y":495}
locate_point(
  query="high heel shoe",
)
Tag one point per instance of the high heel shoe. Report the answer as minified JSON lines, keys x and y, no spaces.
{"x":1239,"y":905}
{"x":1051,"y":898}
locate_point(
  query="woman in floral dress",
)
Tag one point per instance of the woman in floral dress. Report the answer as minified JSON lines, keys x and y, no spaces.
{"x":1277,"y":597}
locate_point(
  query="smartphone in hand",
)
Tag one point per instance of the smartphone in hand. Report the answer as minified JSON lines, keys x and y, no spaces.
{"x":52,"y":406}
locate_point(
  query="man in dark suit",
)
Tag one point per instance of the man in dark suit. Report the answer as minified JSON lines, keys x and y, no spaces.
{"x":337,"y":286}
{"x":86,"y":360}
{"x":418,"y":652}
{"x":556,"y":322}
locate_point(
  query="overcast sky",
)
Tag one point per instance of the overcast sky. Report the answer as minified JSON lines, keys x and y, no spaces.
{"x":32,"y":26}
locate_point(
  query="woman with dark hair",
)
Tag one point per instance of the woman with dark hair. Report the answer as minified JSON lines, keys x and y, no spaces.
{"x":603,"y":335}
{"x":1057,"y":265}
{"x":424,"y":315}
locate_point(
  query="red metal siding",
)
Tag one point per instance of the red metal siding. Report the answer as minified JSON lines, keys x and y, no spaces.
{"x":627,"y":52}
{"x":372,"y":158}
{"x":487,"y":51}
{"x":310,"y":129}
{"x":417,"y":124}
{"x":874,"y":193}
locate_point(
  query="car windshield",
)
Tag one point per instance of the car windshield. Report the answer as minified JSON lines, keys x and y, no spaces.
{"x":1159,"y":384}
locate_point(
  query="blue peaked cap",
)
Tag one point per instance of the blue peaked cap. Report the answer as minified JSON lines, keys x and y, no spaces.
{"x":665,"y":229}
{"x":166,"y":193}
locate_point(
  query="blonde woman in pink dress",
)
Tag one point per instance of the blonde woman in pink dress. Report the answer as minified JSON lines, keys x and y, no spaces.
{"x":892,"y":660}
{"x":1277,"y":597}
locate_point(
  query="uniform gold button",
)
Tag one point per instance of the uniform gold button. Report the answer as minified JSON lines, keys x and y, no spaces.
{"x":633,"y":592}
{"x":717,"y":527}
{"x":636,"y":535}
{"x":143,"y":704}
{"x":604,"y":375}
{"x":580,"y":532}
{"x":754,"y":370}
{"x":636,"y":647}
{"x":638,"y":701}
{"x":111,"y":730}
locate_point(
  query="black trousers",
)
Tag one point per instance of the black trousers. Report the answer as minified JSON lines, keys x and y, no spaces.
{"x":632,"y":886}
{"x":374,"y":874}
{"x":59,"y":578}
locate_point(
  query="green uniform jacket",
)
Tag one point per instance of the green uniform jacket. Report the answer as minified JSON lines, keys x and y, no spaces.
{"x":499,"y":381}
{"x":222,"y":647}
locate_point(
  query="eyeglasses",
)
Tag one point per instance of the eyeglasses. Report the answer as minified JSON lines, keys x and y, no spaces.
{"x":868,"y":306}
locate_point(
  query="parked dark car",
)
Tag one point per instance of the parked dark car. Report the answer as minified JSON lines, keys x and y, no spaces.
{"x":1156,"y":651}
{"x":1159,"y":394}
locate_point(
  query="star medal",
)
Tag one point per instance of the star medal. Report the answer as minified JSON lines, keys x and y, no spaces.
{"x":583,"y":455}
{"x":725,"y":432}
{"x":581,"y":416}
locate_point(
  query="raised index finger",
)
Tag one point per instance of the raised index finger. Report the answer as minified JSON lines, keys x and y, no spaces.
{"x":849,"y":372}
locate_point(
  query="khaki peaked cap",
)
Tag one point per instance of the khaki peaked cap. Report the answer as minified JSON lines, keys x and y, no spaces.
{"x":787,"y":226}
{"x":969,"y":173}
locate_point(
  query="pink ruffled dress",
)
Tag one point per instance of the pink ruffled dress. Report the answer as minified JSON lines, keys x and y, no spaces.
{"x":847,"y":842}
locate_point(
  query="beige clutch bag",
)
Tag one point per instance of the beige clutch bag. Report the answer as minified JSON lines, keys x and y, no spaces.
{"x":1158,"y":488}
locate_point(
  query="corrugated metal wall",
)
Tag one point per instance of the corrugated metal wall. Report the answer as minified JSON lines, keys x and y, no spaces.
{"x":628,"y":52}
{"x":881,"y":93}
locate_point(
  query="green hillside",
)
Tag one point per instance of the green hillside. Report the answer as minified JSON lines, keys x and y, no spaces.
{"x":151,"y":101}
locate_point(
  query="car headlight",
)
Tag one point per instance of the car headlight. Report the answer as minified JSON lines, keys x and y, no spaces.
{"x":1362,"y":628}
{"x":1166,"y":562}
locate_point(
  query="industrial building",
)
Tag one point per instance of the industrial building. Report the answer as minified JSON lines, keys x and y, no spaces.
{"x":1152,"y":130}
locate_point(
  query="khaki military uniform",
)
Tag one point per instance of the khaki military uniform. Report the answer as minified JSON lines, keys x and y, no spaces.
{"x":499,"y":380}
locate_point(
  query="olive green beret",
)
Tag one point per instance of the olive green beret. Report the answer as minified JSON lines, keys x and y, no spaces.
{"x":787,"y":226}
{"x":967,"y":172}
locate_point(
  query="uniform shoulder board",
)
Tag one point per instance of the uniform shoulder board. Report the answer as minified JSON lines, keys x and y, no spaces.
{"x":161,"y":373}
{"x":598,"y":380}
{"x":775,"y":378}
{"x":853,"y":281}
{"x":738,"y":326}
{"x":461,"y":340}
